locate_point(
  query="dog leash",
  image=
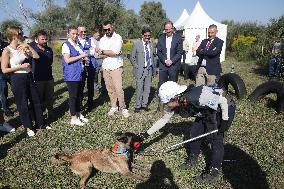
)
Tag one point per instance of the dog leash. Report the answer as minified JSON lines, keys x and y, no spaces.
{"x":172,"y":148}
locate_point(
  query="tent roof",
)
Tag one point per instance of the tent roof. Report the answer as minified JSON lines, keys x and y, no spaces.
{"x":197,"y":19}
{"x":183,"y":17}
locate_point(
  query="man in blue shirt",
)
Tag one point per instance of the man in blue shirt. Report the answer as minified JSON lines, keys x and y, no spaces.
{"x":42,"y":70}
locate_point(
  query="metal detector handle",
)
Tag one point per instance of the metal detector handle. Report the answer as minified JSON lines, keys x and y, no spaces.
{"x":192,"y":139}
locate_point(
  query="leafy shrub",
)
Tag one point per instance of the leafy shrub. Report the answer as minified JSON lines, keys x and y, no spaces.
{"x":243,"y":47}
{"x":127,"y":46}
{"x":57,"y":48}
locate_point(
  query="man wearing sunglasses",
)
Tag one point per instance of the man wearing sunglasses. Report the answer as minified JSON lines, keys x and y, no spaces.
{"x":110,"y":50}
{"x":89,"y":63}
{"x":142,"y":60}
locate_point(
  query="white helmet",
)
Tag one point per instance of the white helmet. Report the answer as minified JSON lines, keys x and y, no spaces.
{"x":169,"y":90}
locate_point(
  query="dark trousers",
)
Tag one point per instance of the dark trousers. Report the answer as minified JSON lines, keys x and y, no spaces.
{"x":24,"y":90}
{"x":274,"y":66}
{"x":4,"y":92}
{"x":201,"y":126}
{"x":169,"y":74}
{"x":99,"y":73}
{"x":88,"y":74}
{"x":183,"y":56}
{"x":74,"y":96}
{"x":46,"y":91}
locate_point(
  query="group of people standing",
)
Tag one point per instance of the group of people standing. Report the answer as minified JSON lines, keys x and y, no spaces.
{"x":30,"y":70}
{"x":214,"y":113}
{"x":170,"y":49}
{"x":29,"y":66}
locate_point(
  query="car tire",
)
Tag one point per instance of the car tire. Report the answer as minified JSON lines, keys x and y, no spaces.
{"x":189,"y":71}
{"x":236,"y":82}
{"x":280,"y":104}
{"x":267,"y":88}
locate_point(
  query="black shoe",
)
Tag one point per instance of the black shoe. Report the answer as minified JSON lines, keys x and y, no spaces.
{"x":189,"y":163}
{"x":9,"y":113}
{"x":146,"y":109}
{"x":136,"y":110}
{"x":209,"y":176}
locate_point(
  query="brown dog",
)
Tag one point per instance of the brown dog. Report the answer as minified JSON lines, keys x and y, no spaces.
{"x":116,"y":160}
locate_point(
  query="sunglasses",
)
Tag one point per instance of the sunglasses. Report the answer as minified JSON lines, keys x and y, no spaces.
{"x":108,"y":29}
{"x":147,"y":35}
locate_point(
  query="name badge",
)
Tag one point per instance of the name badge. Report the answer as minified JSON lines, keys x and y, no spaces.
{"x":203,"y":63}
{"x":212,"y":104}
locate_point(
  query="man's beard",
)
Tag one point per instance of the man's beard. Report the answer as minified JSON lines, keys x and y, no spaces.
{"x":109,"y":34}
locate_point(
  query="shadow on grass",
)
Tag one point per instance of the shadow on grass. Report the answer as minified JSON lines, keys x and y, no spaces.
{"x":58,"y":112}
{"x":5,"y":187}
{"x":242,"y":171}
{"x":128,"y":94}
{"x":161,"y":177}
{"x":181,"y":128}
{"x":5,"y":147}
{"x":58,"y":82}
{"x":103,"y":98}
{"x":60,"y":91}
{"x":261,"y":70}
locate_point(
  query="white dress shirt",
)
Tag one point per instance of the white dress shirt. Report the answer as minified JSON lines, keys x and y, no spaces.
{"x":168,"y":46}
{"x":149,"y":50}
{"x":113,"y":43}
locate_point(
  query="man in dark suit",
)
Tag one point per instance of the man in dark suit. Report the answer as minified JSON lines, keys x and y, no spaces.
{"x":209,"y":58}
{"x":169,"y":51}
{"x":142,"y":59}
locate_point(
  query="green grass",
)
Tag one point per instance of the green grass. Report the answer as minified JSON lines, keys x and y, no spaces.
{"x":255,"y":141}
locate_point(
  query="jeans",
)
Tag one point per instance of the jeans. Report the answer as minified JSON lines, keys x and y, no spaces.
{"x":4,"y":92}
{"x":273,"y":66}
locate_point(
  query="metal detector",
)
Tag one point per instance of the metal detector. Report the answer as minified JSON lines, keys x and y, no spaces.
{"x":170,"y":148}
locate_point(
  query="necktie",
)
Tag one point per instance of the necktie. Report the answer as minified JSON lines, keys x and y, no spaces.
{"x":208,"y":44}
{"x":147,"y":55}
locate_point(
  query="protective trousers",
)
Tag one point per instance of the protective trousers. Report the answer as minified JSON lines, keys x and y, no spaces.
{"x":201,"y":126}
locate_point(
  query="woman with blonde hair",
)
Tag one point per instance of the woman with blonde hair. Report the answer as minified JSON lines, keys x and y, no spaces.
{"x":16,"y":61}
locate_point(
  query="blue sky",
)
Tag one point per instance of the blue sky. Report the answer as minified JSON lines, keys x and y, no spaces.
{"x":219,"y":10}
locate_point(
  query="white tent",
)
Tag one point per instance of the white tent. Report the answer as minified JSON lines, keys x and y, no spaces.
{"x":197,"y":24}
{"x":182,"y":20}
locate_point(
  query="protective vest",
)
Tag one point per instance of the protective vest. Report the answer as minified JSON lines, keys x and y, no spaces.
{"x":86,"y":47}
{"x":72,"y":71}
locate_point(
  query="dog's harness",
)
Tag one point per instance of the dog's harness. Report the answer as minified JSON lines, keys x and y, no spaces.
{"x":119,"y":150}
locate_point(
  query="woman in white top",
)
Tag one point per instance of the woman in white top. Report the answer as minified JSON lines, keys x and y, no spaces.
{"x":15,"y":60}
{"x":72,"y":57}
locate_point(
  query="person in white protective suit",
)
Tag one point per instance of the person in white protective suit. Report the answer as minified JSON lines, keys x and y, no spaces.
{"x":212,"y":111}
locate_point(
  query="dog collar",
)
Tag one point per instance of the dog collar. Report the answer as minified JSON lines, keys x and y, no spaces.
{"x":119,"y":150}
